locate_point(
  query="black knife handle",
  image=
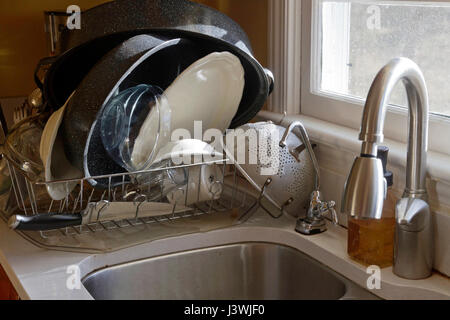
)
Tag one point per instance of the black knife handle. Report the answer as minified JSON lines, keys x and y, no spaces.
{"x":44,"y":222}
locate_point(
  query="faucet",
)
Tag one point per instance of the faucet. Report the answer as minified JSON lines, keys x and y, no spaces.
{"x":314,"y":222}
{"x":365,"y":188}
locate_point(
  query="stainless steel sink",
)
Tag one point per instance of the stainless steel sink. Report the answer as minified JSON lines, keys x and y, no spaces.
{"x":239,"y":271}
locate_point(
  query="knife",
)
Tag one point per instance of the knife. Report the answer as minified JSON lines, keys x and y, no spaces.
{"x":100,"y":212}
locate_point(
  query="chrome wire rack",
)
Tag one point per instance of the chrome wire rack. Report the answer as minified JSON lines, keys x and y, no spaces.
{"x":131,"y":208}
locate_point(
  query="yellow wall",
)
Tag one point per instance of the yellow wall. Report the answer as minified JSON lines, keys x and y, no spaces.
{"x":23,"y":40}
{"x":252,"y":16}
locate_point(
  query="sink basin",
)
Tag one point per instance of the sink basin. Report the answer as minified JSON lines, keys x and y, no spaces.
{"x":254,"y":271}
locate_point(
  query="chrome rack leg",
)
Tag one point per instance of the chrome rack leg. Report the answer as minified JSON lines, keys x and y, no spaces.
{"x":261,"y":196}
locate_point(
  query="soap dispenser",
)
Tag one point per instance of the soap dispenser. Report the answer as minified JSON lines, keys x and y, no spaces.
{"x":371,"y":241}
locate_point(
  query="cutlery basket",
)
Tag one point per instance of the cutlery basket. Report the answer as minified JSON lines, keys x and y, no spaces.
{"x":27,"y":195}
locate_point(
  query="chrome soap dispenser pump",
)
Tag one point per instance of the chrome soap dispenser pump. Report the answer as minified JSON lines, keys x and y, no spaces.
{"x":365,"y":188}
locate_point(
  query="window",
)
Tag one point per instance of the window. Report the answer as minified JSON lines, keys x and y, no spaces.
{"x":345,"y":44}
{"x":358,"y":38}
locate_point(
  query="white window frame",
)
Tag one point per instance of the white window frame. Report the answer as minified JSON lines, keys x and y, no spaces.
{"x":290,"y":57}
{"x":284,"y":38}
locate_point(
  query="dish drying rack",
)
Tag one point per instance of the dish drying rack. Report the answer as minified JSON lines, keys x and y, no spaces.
{"x":28,"y":196}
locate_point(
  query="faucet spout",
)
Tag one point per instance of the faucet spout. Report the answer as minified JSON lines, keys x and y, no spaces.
{"x":405,"y":70}
{"x":365,"y":188}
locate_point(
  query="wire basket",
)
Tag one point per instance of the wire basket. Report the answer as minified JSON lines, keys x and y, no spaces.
{"x":148,"y":216}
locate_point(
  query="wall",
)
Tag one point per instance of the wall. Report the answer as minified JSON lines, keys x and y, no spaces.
{"x":252,"y":15}
{"x":23,"y":40}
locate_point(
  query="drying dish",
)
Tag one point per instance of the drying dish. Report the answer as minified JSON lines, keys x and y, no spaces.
{"x":134,"y":124}
{"x":22,"y":144}
{"x":204,"y":183}
{"x":286,"y":175}
{"x":139,"y":121}
{"x":56,"y":165}
{"x":187,"y":151}
{"x":5,"y":179}
{"x":83,"y":106}
{"x":21,"y":151}
{"x":210,"y":91}
{"x":194,"y":184}
{"x":136,"y":61}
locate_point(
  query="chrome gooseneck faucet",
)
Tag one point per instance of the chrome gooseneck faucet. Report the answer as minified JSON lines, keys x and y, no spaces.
{"x":365,"y":189}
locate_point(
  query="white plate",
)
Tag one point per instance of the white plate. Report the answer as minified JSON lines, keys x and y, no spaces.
{"x":210,"y":90}
{"x":56,"y":165}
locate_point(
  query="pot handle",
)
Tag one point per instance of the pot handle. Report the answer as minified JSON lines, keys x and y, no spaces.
{"x":270,"y":79}
{"x":42,"y":63}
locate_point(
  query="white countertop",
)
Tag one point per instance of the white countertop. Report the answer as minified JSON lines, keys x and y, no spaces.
{"x":39,"y":273}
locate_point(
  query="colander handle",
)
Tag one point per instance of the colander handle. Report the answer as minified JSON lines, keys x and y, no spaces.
{"x":307,"y":143}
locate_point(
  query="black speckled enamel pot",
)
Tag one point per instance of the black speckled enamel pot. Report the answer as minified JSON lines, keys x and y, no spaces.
{"x":106,"y":26}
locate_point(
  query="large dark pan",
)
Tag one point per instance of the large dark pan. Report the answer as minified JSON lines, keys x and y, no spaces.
{"x":130,"y":15}
{"x":106,"y":26}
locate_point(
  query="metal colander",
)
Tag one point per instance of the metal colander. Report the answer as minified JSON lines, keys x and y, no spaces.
{"x":286,"y":175}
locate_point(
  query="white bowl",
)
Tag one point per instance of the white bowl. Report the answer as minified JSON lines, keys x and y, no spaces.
{"x":205,"y":183}
{"x":187,"y":151}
